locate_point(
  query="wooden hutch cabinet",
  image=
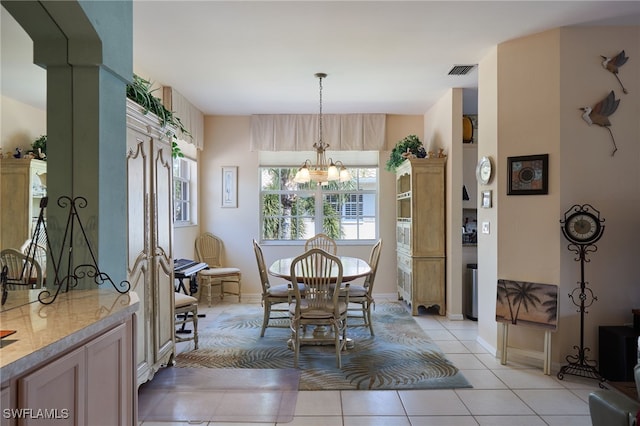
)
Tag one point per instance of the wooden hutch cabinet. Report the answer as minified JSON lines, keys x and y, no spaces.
{"x":22,"y":190}
{"x":150,"y":238}
{"x":420,"y":233}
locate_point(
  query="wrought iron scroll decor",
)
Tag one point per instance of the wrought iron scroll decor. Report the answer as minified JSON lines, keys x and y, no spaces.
{"x":85,"y":270}
{"x":582,"y":296}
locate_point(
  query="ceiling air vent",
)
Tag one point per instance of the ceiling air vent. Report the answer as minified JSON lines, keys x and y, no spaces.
{"x":461,"y":69}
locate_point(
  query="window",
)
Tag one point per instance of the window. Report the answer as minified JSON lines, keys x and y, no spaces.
{"x":182,"y":205}
{"x":344,"y":211}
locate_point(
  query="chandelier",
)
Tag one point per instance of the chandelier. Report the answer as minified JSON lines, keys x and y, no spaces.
{"x":322,"y":171}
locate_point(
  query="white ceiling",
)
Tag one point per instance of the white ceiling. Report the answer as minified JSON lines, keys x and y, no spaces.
{"x":260,"y":57}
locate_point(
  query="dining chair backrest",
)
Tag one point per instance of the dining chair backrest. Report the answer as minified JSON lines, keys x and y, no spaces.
{"x":321,"y":275}
{"x":262,"y":267}
{"x":322,"y":241}
{"x":374,"y":257}
{"x":22,"y":270}
{"x":209,"y":249}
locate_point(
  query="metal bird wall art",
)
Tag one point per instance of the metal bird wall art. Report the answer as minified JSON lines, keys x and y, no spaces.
{"x":599,"y":114}
{"x":613,"y":64}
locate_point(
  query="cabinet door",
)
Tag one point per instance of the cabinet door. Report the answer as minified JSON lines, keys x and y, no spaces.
{"x":161,"y":243}
{"x":58,"y":389}
{"x":428,"y":283}
{"x":428,"y":220}
{"x":138,"y":189}
{"x":110,"y":381}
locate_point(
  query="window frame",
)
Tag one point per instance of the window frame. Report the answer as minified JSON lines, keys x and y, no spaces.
{"x":189,"y":189}
{"x":319,"y":193}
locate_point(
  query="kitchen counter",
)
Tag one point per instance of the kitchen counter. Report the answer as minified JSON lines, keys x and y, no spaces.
{"x":45,"y":331}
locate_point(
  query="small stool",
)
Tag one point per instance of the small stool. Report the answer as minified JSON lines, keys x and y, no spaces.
{"x":186,"y":310}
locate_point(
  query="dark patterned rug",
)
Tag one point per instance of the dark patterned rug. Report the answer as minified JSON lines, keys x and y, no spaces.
{"x":399,"y":356}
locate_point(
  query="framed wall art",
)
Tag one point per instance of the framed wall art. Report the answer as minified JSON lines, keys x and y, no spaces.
{"x":230,"y":186}
{"x":528,"y":175}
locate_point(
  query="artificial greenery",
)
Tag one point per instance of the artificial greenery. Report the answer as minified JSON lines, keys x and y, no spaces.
{"x":140,"y":92}
{"x":40,"y":143}
{"x":411,"y":143}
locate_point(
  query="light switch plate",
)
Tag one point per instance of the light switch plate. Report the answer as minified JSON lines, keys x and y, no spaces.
{"x":485,"y":227}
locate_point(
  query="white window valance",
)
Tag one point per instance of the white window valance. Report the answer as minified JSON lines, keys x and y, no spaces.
{"x":298,"y":132}
{"x":190,"y":116}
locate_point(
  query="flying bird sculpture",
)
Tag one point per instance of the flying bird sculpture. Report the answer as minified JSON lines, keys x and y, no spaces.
{"x":600,"y":113}
{"x":613,"y":64}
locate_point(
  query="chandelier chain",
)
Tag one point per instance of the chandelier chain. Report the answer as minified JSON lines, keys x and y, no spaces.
{"x":320,"y":115}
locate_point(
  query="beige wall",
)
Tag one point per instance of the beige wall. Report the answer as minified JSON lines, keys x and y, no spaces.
{"x":21,"y":125}
{"x":443,"y":129}
{"x":227,"y":144}
{"x":540,"y":83}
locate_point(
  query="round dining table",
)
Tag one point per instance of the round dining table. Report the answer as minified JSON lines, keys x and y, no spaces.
{"x":352,"y":268}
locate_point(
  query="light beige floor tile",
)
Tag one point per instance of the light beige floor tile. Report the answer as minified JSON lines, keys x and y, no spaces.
{"x":443,"y":421}
{"x":315,"y":403}
{"x":567,"y":420}
{"x":493,"y":362}
{"x":551,"y":401}
{"x":464,"y":334}
{"x":368,"y":403}
{"x":510,"y":421}
{"x":483,"y":379}
{"x":528,"y":378}
{"x":583,"y":394}
{"x":314,"y":421}
{"x":493,"y":402}
{"x":452,"y":347}
{"x":434,"y":402}
{"x":437,"y":335}
{"x":474,"y":347}
{"x":237,"y":424}
{"x":376,"y":421}
{"x":466,"y":361}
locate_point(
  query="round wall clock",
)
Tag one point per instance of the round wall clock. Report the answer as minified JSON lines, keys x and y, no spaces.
{"x":484,"y":170}
{"x":582,"y":225}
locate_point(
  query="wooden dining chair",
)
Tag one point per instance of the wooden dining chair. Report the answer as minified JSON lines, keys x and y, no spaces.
{"x":209,"y":250}
{"x":321,"y":304}
{"x":322,"y":241}
{"x":362,"y":295}
{"x":23,"y":272}
{"x":271,"y":294}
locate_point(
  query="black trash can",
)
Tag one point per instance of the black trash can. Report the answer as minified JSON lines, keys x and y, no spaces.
{"x":471,"y":292}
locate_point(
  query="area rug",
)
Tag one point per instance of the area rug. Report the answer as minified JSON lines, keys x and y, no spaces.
{"x":399,"y":356}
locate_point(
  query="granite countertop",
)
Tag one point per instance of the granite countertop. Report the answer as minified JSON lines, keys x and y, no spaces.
{"x":42,"y":331}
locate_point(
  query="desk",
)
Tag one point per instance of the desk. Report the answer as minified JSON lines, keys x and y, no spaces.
{"x":352,"y":268}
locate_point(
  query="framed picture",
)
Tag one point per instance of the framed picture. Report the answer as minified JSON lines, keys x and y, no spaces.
{"x":230,"y":186}
{"x":486,"y":199}
{"x":528,"y":175}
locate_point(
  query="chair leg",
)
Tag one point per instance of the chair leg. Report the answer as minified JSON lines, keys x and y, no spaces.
{"x":336,"y":332}
{"x":195,"y":327}
{"x":367,"y":314}
{"x":265,"y":319}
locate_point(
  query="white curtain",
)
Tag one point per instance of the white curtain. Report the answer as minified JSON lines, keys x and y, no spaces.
{"x":298,"y":132}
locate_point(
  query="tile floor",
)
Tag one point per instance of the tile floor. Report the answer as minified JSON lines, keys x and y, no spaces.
{"x":514,"y":395}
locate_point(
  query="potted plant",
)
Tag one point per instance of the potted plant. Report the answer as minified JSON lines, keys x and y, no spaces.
{"x":410,"y":145}
{"x":141,"y":93}
{"x":39,"y":147}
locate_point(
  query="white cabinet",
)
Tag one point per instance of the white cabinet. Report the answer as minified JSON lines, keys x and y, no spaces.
{"x":21,"y":192}
{"x":150,"y":236}
{"x":91,"y":385}
{"x":420,"y":233}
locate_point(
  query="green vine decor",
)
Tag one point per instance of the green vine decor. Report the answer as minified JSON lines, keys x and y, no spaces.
{"x":140,"y":92}
{"x":411,"y":144}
